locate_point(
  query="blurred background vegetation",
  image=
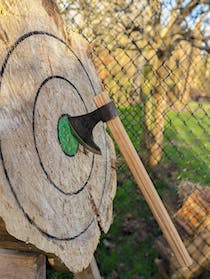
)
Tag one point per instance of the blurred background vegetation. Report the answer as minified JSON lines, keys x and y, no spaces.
{"x":153,"y":59}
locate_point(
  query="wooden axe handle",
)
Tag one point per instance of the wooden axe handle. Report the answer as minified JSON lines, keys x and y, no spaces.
{"x":145,"y":184}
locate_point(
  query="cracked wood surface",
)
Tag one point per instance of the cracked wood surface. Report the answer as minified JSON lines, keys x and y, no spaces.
{"x":59,"y":204}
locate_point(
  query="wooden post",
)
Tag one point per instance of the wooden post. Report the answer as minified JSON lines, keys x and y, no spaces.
{"x":91,"y":272}
{"x":22,"y":265}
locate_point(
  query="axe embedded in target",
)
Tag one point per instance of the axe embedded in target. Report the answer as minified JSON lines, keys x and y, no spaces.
{"x":83,"y":126}
{"x":57,"y":160}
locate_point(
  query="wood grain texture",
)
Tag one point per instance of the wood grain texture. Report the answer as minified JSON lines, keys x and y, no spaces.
{"x":9,"y":242}
{"x":20,"y":265}
{"x":92,"y":272}
{"x":56,"y":202}
{"x":194,"y":211}
{"x":196,"y":235}
{"x":145,"y":184}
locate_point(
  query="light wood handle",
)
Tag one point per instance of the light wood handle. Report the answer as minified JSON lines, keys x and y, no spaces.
{"x":145,"y":184}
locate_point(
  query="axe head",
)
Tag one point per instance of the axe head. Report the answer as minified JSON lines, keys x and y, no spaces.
{"x":82,"y":126}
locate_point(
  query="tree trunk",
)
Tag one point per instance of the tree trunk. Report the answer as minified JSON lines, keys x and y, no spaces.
{"x":54,"y":194}
{"x":156,"y":144}
{"x":155,"y":107}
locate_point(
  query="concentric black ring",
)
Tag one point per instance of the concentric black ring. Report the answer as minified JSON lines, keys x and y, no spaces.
{"x":3,"y":69}
{"x":35,"y":141}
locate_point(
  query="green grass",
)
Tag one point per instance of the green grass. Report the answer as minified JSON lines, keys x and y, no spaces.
{"x":186,"y":148}
{"x":58,"y":275}
{"x":127,"y":250}
{"x":131,"y":238}
{"x":132,"y":118}
{"x":187,"y":142}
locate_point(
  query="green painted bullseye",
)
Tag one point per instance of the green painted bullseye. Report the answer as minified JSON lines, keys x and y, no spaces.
{"x":68,"y":141}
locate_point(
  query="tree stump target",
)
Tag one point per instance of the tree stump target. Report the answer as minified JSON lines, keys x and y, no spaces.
{"x":54,"y":193}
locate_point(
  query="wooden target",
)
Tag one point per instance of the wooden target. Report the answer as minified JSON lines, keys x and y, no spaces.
{"x":53,"y":192}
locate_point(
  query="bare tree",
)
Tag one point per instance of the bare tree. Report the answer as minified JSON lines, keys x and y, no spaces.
{"x":148,"y":45}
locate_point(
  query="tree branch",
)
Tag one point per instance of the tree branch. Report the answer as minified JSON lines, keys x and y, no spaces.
{"x":180,"y":16}
{"x":187,"y":10}
{"x":202,"y":45}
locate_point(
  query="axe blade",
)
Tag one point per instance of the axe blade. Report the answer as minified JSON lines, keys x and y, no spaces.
{"x":82,"y":126}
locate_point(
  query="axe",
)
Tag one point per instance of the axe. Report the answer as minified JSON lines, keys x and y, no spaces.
{"x":82,"y":127}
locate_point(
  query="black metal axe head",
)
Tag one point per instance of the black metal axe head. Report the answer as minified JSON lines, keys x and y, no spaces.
{"x":82,"y":126}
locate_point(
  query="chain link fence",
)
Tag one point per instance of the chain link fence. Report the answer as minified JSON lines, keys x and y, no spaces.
{"x":153,"y":59}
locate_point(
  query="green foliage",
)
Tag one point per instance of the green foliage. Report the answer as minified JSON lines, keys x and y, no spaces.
{"x":148,"y":68}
